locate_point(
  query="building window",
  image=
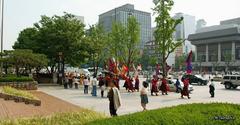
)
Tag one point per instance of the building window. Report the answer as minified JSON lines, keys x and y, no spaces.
{"x":201,"y":53}
{"x":213,"y":52}
{"x":237,"y":51}
{"x":226,"y":51}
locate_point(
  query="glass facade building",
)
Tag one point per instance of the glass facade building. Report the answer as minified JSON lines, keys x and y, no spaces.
{"x":121,"y":14}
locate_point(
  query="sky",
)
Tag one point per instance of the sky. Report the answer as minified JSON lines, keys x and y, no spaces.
{"x":20,"y":14}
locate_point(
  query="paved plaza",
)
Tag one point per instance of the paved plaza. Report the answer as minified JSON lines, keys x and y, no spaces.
{"x":131,"y":101}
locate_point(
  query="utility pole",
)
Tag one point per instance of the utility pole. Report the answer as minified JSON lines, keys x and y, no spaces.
{"x":2,"y":19}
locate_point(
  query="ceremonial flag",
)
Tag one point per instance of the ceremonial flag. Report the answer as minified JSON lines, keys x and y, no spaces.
{"x":168,"y":67}
{"x":188,"y":62}
{"x":158,"y":69}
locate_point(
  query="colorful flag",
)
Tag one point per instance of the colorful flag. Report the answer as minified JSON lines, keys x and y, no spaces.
{"x":168,"y":67}
{"x":124,"y":71}
{"x":188,"y":62}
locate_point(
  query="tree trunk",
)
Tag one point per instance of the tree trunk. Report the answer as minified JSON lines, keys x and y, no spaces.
{"x":17,"y":70}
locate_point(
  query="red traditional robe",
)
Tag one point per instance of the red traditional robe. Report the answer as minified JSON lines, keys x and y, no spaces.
{"x":164,"y":86}
{"x":185,"y":87}
{"x":154,"y":85}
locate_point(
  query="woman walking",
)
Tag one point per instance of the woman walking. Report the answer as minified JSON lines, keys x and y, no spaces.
{"x":143,"y":95}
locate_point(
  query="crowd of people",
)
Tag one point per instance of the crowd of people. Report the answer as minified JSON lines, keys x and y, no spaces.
{"x":110,"y":83}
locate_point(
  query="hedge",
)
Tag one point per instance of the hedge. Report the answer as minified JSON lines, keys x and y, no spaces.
{"x":15,"y":79}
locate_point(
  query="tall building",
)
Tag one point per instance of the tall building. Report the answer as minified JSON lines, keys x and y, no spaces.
{"x":121,"y":14}
{"x":218,"y":47}
{"x":81,"y":18}
{"x":200,"y":24}
{"x":188,"y":26}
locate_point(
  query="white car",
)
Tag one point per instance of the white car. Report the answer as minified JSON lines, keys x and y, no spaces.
{"x":172,"y":85}
{"x":85,"y":72}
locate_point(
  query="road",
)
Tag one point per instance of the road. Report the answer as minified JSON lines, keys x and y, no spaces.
{"x":131,"y":101}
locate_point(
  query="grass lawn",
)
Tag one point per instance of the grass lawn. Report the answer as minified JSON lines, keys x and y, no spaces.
{"x":189,"y":114}
{"x":74,"y":118}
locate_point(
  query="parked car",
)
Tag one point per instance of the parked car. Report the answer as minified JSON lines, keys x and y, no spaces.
{"x":194,"y":79}
{"x":172,"y":85}
{"x":231,"y":81}
{"x":218,"y":78}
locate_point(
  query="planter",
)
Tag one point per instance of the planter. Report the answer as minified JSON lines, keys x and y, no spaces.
{"x":35,"y":102}
{"x":20,"y":99}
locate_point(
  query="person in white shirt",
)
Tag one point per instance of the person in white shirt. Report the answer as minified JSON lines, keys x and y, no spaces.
{"x":94,"y":86}
{"x":143,"y":95}
{"x":86,"y":84}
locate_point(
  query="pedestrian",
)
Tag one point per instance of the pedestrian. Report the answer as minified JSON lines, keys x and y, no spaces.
{"x":185,"y":91}
{"x":94,"y":86}
{"x":86,"y":84}
{"x":75,"y":81}
{"x":66,"y":81}
{"x":126,"y":84}
{"x":212,"y":88}
{"x":101,"y":85}
{"x":130,"y":84}
{"x":143,"y":95}
{"x":154,"y":88}
{"x":164,"y":86}
{"x":70,"y":80}
{"x":178,"y":86}
{"x":136,"y":84}
{"x":114,"y":98}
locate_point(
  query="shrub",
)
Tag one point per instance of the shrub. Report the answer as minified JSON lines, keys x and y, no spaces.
{"x":15,"y":79}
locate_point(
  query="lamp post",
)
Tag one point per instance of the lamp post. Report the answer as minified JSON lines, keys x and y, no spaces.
{"x":60,"y":68}
{"x":2,"y":15}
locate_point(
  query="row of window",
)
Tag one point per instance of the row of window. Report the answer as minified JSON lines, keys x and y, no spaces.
{"x":232,"y":77}
{"x":226,"y":52}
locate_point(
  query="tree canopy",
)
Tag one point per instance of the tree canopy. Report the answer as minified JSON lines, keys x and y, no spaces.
{"x":96,"y":40}
{"x":55,"y":34}
{"x":165,"y":27}
{"x":124,"y":41}
{"x":24,"y":59}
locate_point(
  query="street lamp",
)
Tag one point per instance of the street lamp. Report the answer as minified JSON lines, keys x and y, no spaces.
{"x":60,"y":68}
{"x":2,"y":25}
{"x":2,"y":5}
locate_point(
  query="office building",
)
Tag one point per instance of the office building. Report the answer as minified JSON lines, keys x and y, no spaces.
{"x":188,"y":26}
{"x":121,"y":14}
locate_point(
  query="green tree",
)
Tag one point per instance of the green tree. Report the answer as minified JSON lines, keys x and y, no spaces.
{"x":148,"y":59}
{"x":52,"y":35}
{"x":124,"y":41}
{"x":227,"y":57}
{"x":180,"y":62}
{"x":24,"y":60}
{"x":165,"y":27}
{"x":97,"y":40}
{"x":117,"y":40}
